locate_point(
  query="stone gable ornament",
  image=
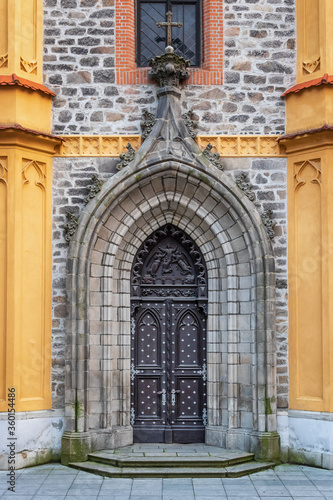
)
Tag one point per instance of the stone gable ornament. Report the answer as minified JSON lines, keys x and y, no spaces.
{"x":190,"y":123}
{"x":147,"y":124}
{"x":214,"y":158}
{"x":268,"y":222}
{"x":243,"y":184}
{"x":169,"y":24}
{"x":169,"y":69}
{"x":70,"y":226}
{"x":126,"y":158}
{"x":93,"y":188}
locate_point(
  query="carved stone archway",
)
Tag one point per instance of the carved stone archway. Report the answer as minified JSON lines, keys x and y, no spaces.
{"x":170,"y":181}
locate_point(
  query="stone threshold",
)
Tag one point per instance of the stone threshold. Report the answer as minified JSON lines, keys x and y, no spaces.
{"x":171,"y":461}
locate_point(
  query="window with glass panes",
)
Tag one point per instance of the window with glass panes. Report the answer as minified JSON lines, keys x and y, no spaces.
{"x":151,"y":40}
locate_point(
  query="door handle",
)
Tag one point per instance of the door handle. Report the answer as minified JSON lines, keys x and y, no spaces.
{"x":173,"y":397}
{"x":163,"y":392}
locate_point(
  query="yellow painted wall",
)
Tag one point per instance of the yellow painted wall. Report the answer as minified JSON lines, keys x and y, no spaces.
{"x":3,"y":274}
{"x":314,"y":39}
{"x":310,"y":109}
{"x":26,"y":268}
{"x":21,"y":38}
{"x":310,"y":213}
{"x":25,"y":212}
{"x":310,"y":269}
{"x":29,"y":108}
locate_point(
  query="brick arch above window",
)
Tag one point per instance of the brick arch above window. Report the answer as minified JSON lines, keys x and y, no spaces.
{"x":211,"y":71}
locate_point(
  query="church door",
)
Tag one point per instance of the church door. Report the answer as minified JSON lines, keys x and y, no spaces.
{"x":168,"y":361}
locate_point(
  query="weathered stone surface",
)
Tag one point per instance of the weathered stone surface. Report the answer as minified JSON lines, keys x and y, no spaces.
{"x":274,"y":67}
{"x":260,"y":47}
{"x":258,"y":69}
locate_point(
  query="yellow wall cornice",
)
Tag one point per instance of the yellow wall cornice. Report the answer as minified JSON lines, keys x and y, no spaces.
{"x":311,"y":108}
{"x":29,"y":108}
{"x":18,"y":137}
{"x":307,"y":141}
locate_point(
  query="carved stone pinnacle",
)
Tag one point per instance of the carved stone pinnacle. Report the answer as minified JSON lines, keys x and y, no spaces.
{"x":169,"y":69}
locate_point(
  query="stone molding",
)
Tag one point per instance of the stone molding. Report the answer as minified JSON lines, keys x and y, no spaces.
{"x":231,"y":146}
{"x":125,"y":186}
{"x":149,"y":177}
{"x":171,"y":180}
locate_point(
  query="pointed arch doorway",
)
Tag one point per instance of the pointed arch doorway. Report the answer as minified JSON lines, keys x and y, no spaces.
{"x":168,"y":344}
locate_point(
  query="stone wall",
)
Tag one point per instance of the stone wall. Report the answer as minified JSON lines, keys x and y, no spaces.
{"x":79,"y":49}
{"x":70,"y":181}
{"x":259,"y":50}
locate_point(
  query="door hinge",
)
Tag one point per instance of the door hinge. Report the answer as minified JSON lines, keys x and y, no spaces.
{"x":132,"y":416}
{"x":134,"y":372}
{"x":203,"y":372}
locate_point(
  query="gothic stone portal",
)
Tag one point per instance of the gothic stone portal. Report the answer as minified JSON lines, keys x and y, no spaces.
{"x":168,"y":363}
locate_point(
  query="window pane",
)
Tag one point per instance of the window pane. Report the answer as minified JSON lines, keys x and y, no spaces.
{"x":153,"y":39}
{"x":184,"y":39}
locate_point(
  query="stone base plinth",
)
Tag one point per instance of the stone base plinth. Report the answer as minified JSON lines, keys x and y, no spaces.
{"x":75,"y":447}
{"x":264,"y":445}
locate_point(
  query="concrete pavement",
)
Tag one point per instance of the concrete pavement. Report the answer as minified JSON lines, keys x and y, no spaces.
{"x":56,"y":482}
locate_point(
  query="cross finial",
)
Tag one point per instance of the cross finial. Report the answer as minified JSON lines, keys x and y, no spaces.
{"x":169,"y":25}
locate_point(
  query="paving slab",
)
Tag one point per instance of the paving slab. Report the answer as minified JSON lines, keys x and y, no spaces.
{"x":256,"y":486}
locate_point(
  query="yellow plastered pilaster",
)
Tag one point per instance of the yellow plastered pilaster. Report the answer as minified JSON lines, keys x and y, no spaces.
{"x":309,"y":149}
{"x":21,"y":39}
{"x":26,"y":270}
{"x":26,"y":152}
{"x":310,"y":271}
{"x":310,"y":109}
{"x":314,"y":39}
{"x":29,"y":108}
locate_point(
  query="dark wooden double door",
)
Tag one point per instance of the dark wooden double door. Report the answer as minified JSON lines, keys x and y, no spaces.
{"x":168,"y":364}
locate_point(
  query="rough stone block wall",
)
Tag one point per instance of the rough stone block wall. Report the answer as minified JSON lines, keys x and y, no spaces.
{"x":79,"y":66}
{"x":70,"y":180}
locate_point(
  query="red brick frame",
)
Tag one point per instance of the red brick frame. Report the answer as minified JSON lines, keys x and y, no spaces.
{"x":211,"y":71}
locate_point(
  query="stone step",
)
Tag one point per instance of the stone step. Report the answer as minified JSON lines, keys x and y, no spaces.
{"x":165,"y":460}
{"x":164,"y":472}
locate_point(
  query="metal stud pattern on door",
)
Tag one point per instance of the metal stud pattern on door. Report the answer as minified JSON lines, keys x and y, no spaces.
{"x":169,"y":366}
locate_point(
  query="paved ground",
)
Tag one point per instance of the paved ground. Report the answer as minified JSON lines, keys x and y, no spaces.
{"x":56,"y":482}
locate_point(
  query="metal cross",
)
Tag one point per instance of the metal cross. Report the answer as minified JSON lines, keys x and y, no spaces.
{"x":169,"y":25}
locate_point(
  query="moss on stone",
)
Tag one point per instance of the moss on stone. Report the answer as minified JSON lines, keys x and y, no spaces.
{"x":268,"y":409}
